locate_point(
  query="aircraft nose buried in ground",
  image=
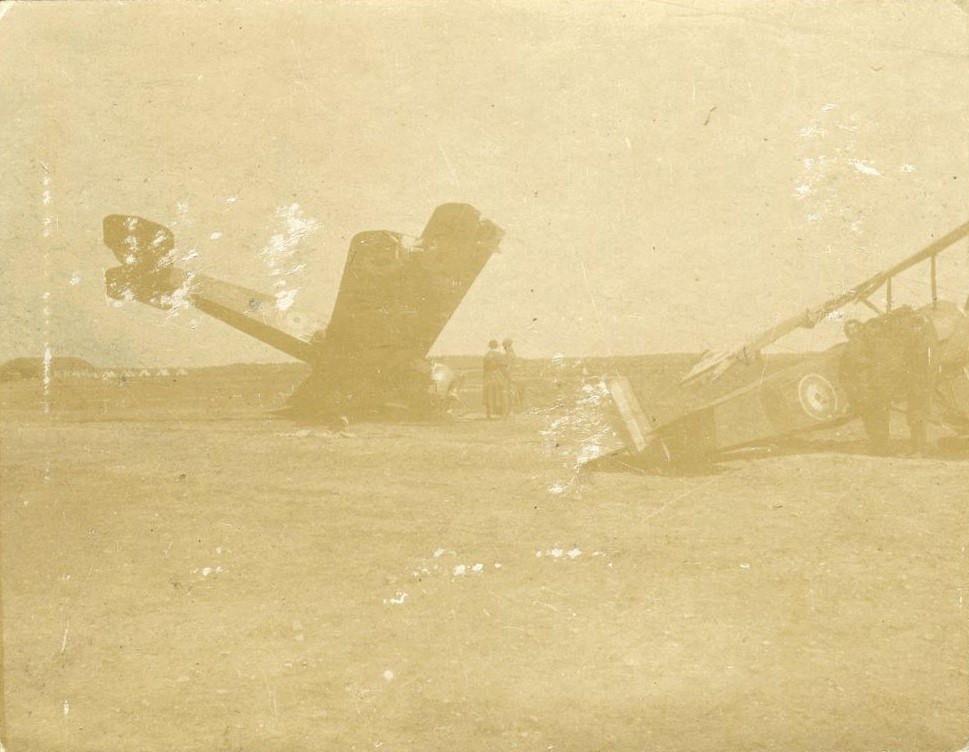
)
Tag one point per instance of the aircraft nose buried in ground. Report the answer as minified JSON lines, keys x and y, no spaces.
{"x":395,"y":298}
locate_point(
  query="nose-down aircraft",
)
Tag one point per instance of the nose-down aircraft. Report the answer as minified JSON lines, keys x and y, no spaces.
{"x":916,"y":359}
{"x":370,"y":360}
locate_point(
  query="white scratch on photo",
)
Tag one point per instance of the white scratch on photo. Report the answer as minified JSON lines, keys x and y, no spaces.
{"x":864,"y":167}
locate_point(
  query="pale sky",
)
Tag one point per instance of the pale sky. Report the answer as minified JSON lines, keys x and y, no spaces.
{"x":671,"y":176}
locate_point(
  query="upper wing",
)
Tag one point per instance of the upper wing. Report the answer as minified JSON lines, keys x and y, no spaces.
{"x":714,"y":364}
{"x":397,"y":297}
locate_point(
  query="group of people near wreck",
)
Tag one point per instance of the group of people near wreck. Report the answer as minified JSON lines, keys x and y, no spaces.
{"x":889,"y":360}
{"x":885,"y":361}
{"x":502,"y":392}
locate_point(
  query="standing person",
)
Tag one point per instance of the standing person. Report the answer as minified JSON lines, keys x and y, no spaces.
{"x":516,"y":390}
{"x":888,"y":361}
{"x":495,"y":380}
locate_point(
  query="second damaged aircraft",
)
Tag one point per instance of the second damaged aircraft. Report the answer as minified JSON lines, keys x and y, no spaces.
{"x":913,"y":360}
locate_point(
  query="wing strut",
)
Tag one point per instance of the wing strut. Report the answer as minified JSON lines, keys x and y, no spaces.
{"x":714,"y":364}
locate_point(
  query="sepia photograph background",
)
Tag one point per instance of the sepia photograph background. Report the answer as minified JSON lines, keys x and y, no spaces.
{"x":182,"y":568}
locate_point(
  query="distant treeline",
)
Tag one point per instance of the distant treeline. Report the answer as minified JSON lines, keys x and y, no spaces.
{"x":464,"y":364}
{"x":546,"y":382}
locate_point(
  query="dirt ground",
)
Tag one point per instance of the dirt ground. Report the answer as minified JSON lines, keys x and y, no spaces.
{"x":185,"y":572}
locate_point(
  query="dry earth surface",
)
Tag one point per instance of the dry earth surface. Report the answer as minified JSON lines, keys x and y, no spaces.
{"x":183,"y":571}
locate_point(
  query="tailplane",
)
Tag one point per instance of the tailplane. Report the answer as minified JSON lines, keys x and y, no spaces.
{"x":145,"y":250}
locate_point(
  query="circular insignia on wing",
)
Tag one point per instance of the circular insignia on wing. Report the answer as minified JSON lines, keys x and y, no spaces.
{"x":818,"y":397}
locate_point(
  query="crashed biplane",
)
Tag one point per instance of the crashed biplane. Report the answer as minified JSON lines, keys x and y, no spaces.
{"x":903,"y":358}
{"x":370,"y":360}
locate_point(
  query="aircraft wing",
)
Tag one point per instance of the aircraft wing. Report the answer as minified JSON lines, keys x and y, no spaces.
{"x":395,"y":297}
{"x":712,"y":365}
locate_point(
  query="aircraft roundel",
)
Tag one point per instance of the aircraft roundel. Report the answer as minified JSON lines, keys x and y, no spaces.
{"x":818,"y":397}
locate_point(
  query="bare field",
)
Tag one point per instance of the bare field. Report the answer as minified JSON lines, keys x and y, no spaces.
{"x":182,"y":571}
